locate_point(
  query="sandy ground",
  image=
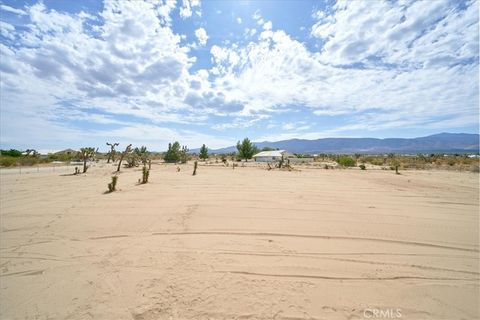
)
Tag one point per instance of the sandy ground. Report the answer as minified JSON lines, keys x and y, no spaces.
{"x":240,"y":244}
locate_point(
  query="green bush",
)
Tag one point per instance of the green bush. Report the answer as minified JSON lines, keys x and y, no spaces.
{"x":11,"y":153}
{"x":346,"y":161}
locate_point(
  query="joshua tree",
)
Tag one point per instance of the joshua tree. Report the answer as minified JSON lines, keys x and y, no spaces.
{"x":145,"y":174}
{"x":32,"y":152}
{"x":111,"y":154}
{"x":195,"y":167}
{"x":86,"y":154}
{"x":280,"y":164}
{"x":203,"y":152}
{"x":142,"y":153}
{"x":396,"y":164}
{"x":246,"y":149}
{"x":128,"y":149}
{"x":138,"y":155}
{"x":94,"y":157}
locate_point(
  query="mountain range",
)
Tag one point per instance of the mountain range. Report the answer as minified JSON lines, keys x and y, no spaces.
{"x":437,"y":143}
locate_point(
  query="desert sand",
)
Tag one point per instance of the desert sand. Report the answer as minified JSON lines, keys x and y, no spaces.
{"x":240,"y":244}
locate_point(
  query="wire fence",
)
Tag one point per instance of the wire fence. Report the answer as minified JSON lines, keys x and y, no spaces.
{"x":61,"y":168}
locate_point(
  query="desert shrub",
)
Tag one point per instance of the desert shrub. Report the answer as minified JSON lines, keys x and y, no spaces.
{"x":346,"y":161}
{"x":376,"y":161}
{"x":8,"y":161}
{"x":475,"y":168}
{"x":362,"y":166}
{"x":61,"y":156}
{"x":326,"y":166}
{"x":113,"y":185}
{"x":28,"y":161}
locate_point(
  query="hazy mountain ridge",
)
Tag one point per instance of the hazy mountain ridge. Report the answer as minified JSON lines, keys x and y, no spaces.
{"x":442,"y":142}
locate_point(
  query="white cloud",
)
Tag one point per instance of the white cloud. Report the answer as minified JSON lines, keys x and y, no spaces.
{"x":132,"y":65}
{"x":239,"y":20}
{"x":202,"y":36}
{"x":250,"y":32}
{"x":414,"y":34}
{"x":258,"y":17}
{"x":187,"y":7}
{"x":404,"y":66}
{"x":278,"y":71}
{"x":12,"y":10}
{"x":7,"y":30}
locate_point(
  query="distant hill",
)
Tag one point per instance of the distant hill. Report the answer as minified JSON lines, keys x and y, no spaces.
{"x":66,"y":151}
{"x":437,"y":143}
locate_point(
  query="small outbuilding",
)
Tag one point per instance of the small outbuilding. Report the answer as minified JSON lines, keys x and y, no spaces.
{"x":271,"y":156}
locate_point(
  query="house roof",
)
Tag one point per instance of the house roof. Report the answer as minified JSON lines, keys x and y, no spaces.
{"x":273,"y":153}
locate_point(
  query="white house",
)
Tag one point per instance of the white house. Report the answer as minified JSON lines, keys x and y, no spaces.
{"x":271,"y":156}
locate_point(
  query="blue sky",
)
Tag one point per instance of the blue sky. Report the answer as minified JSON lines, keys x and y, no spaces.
{"x":81,"y":73}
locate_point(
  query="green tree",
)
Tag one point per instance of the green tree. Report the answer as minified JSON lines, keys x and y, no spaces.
{"x":11,"y":153}
{"x":246,"y":149}
{"x":203,"y":152}
{"x":173,"y":152}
